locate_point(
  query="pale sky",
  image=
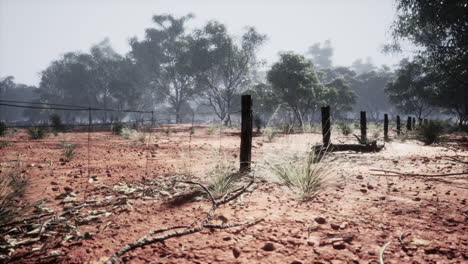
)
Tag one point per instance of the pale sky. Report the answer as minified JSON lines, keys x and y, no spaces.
{"x":35,"y":32}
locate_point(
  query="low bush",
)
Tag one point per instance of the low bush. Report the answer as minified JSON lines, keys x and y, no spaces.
{"x":127,"y":132}
{"x":3,"y":129}
{"x":37,"y":132}
{"x":346,"y":129}
{"x":429,"y":133}
{"x":258,"y":122}
{"x":269,"y":133}
{"x":57,"y":125}
{"x":68,"y":150}
{"x":117,"y":128}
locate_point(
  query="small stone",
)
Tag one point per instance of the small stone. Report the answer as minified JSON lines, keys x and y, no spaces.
{"x":269,"y":247}
{"x":334,"y":226}
{"x":235,"y":252}
{"x":68,"y":189}
{"x":296,"y":262}
{"x":339,"y":245}
{"x":363,"y":190}
{"x":164,"y":193}
{"x":370,"y":187}
{"x":417,"y":199}
{"x":310,"y":243}
{"x":227,"y":238}
{"x":53,"y":183}
{"x":359,"y":177}
{"x":320,"y":220}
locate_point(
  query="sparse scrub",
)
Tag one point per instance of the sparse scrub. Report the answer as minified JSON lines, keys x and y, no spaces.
{"x":287,"y":128}
{"x":269,"y":133}
{"x":37,"y":132}
{"x":168,"y":131}
{"x":258,"y":122}
{"x":3,"y":144}
{"x":346,"y":129}
{"x":3,"y":129}
{"x":117,"y":128}
{"x":302,"y":174}
{"x":222,"y":177}
{"x":127,"y":132}
{"x":68,"y":150}
{"x":13,"y":184}
{"x":429,"y":133}
{"x":212,"y":129}
{"x":375,"y":135}
{"x":57,"y":125}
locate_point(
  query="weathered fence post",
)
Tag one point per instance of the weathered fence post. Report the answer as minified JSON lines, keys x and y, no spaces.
{"x":398,"y":125}
{"x":363,"y":127}
{"x":246,"y":133}
{"x":152,"y":118}
{"x":385,"y":127}
{"x":414,"y":122}
{"x":408,"y":124}
{"x":326,"y":126}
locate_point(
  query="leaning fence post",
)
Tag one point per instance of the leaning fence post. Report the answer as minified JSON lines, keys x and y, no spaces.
{"x":398,"y":125}
{"x":363,"y":127}
{"x":326,"y":126}
{"x":408,"y":124}
{"x":246,"y":133}
{"x":385,"y":127}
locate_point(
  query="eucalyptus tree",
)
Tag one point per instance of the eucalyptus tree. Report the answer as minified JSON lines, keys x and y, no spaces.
{"x":411,"y":89}
{"x":321,"y":55}
{"x":166,"y":57}
{"x":296,"y":85}
{"x":225,"y":66}
{"x":439,"y":29}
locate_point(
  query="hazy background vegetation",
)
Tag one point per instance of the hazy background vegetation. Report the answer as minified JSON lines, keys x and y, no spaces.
{"x":179,"y":68}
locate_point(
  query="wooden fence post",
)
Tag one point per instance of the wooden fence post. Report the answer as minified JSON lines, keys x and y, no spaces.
{"x":385,"y":127}
{"x":408,"y":124}
{"x":363,"y":127}
{"x":246,"y":133}
{"x":398,"y":125}
{"x":326,"y":126}
{"x":414,"y":122}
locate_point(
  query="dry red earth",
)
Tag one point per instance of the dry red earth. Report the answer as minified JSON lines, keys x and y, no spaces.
{"x":130,"y":190}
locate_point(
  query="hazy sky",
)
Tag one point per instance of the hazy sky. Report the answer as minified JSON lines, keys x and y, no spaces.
{"x":35,"y":32}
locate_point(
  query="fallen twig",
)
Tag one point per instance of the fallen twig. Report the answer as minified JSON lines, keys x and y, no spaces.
{"x":146,"y":240}
{"x":381,"y":259}
{"x":419,"y":175}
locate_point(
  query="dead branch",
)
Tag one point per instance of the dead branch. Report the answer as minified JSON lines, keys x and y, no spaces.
{"x":381,"y":259}
{"x":418,"y":175}
{"x":146,"y":240}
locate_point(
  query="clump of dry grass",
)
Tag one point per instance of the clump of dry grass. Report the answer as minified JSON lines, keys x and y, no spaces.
{"x":13,"y":183}
{"x":304,"y":174}
{"x":223,"y":176}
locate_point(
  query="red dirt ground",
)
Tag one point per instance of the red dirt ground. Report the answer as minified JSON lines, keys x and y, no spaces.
{"x":361,"y":212}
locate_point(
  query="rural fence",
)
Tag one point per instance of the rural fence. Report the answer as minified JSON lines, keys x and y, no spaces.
{"x":156,"y":124}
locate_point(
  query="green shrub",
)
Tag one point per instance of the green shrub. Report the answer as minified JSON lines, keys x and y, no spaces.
{"x":429,"y":133}
{"x":258,"y":122}
{"x":269,"y":133}
{"x":68,"y":150}
{"x":3,"y":129}
{"x":37,"y":132}
{"x":117,"y":128}
{"x":57,"y":125}
{"x":301,"y":173}
{"x":211,"y":129}
{"x":127,"y":132}
{"x":287,"y":128}
{"x":346,"y":129}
